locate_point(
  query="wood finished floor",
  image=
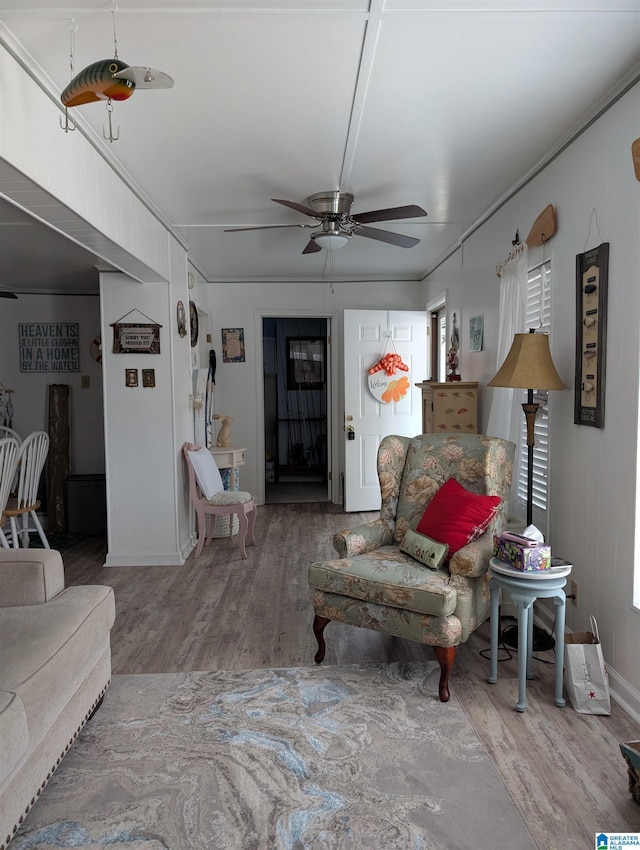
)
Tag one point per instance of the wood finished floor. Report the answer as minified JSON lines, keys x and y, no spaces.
{"x":564,"y":770}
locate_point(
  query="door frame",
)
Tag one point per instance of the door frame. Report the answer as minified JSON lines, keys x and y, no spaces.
{"x":435,"y":305}
{"x":333,"y":388}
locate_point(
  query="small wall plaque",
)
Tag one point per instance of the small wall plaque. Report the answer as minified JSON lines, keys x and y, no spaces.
{"x":136,"y":337}
{"x":592,"y":270}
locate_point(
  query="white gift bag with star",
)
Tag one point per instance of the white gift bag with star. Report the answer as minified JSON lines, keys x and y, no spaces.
{"x":585,"y":673}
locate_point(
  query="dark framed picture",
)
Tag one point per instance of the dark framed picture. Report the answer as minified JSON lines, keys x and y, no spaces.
{"x":136,"y":338}
{"x":306,"y":363}
{"x":592,"y":272}
{"x":193,"y":323}
{"x":181,"y":319}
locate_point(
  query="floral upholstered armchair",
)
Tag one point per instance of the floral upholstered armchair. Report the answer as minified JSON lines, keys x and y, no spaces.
{"x":375,"y":584}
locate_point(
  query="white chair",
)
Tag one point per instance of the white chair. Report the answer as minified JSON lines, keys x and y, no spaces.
{"x":31,"y":459}
{"x":9,"y":448}
{"x":5,"y":431}
{"x":209,"y":498}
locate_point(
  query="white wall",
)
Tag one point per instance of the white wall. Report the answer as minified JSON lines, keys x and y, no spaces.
{"x":148,"y":517}
{"x":592,"y":476}
{"x":42,"y":169}
{"x":239,"y":386}
{"x":64,"y":179}
{"x":31,"y":396}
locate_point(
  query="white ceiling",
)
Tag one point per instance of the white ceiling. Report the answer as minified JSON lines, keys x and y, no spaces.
{"x":442,"y":104}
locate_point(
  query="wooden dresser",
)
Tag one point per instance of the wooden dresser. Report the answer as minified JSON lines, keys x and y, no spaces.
{"x":451,"y":406}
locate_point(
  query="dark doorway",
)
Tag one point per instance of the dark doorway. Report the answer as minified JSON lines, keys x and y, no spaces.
{"x":295,"y":409}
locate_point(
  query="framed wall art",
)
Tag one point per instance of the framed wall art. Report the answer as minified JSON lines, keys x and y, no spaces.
{"x":193,"y":323}
{"x":476,"y":333}
{"x":305,"y":363}
{"x":49,"y":347}
{"x":181,"y":319}
{"x":592,"y":272}
{"x":136,"y":337}
{"x":233,"y":345}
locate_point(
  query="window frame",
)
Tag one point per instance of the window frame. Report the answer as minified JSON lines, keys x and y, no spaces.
{"x":538,"y":316}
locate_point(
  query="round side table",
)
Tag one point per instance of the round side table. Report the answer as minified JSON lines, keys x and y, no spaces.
{"x":524,"y":588}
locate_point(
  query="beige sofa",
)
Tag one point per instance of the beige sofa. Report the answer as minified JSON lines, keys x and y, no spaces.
{"x":55,"y":666}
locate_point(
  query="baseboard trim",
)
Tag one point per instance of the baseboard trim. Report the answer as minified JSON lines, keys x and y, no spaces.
{"x":624,"y":694}
{"x":627,"y":697}
{"x":137,"y":560}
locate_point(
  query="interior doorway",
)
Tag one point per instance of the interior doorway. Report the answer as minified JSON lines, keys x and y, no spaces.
{"x":437,"y":332}
{"x":296,"y":383}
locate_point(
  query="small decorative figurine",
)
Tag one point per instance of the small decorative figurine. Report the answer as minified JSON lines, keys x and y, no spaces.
{"x":224,"y":434}
{"x":452,"y":355}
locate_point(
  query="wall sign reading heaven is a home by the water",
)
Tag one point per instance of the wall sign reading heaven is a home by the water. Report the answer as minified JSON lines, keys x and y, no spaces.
{"x":49,"y":347}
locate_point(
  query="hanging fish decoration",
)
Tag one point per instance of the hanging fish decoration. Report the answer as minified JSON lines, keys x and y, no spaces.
{"x":111,"y":79}
{"x":98,"y":82}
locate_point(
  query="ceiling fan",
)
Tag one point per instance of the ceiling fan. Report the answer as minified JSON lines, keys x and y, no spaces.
{"x":338,"y":224}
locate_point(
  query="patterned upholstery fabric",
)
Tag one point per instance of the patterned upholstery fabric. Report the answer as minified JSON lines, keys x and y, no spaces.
{"x":375,"y":586}
{"x":229,"y":497}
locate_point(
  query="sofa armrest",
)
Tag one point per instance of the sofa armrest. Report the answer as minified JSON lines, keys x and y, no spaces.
{"x":362,"y":538}
{"x":473,"y":559}
{"x":29,"y":576}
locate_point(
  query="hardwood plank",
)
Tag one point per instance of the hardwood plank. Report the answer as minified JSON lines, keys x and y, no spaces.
{"x":564,"y":770}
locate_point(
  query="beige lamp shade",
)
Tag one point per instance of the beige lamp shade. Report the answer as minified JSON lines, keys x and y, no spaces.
{"x":528,"y":365}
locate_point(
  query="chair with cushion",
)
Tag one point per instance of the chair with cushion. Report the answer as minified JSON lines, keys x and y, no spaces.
{"x":420,"y":570}
{"x":209,"y":498}
{"x":31,"y":460}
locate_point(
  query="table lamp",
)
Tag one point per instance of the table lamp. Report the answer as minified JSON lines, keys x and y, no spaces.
{"x":529,"y":366}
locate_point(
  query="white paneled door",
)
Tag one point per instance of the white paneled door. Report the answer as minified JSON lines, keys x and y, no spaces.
{"x":368,"y":335}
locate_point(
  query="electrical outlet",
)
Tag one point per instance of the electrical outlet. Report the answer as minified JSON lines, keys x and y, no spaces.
{"x":86,"y":382}
{"x":574,"y":592}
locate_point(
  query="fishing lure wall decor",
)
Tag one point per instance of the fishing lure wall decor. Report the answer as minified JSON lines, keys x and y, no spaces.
{"x":98,"y":81}
{"x":112,"y":79}
{"x":107,"y":80}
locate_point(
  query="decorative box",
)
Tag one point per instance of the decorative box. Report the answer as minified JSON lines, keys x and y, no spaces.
{"x":523,"y":558}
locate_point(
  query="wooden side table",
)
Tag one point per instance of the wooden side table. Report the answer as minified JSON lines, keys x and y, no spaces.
{"x":229,"y":457}
{"x":525,"y":588}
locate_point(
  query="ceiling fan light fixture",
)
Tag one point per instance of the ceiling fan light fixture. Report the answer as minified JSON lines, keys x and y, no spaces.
{"x":331,"y":240}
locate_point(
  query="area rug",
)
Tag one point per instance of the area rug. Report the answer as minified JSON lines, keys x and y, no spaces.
{"x":359,"y":757}
{"x":57,"y":540}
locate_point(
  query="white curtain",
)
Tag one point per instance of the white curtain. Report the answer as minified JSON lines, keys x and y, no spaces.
{"x":506,"y":416}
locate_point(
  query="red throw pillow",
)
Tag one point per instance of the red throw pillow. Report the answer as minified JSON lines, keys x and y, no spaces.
{"x":456,"y":517}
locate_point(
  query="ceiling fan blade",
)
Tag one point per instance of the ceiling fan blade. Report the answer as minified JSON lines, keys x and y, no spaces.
{"x":311,"y":247}
{"x":408,"y":211}
{"x":387,"y":236}
{"x":266,"y":227}
{"x":8,"y":295}
{"x":298,"y":207}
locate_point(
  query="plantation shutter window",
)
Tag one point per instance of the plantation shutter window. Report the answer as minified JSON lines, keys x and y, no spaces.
{"x":539,"y":318}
